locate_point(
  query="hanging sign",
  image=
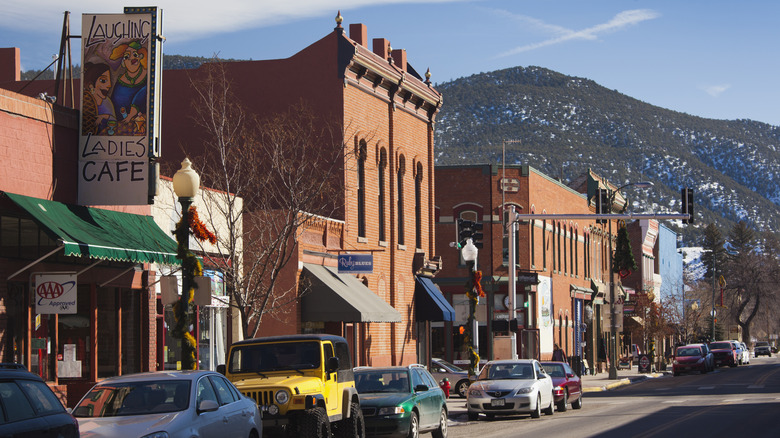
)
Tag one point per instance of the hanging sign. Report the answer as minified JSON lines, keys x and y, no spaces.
{"x":120,"y":97}
{"x":356,"y":263}
{"x":55,"y":293}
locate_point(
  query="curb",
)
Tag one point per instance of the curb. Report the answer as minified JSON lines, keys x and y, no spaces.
{"x":622,"y":382}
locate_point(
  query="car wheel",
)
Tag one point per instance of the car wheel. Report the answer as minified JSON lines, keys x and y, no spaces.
{"x":354,"y":426}
{"x":563,"y":404}
{"x":550,"y":410}
{"x":537,"y":412}
{"x":414,"y":426}
{"x":577,"y":404}
{"x":473,"y":416}
{"x":314,"y":423}
{"x":462,"y":388}
{"x":441,"y":431}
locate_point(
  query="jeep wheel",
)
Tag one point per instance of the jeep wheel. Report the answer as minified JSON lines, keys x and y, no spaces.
{"x":354,"y":426}
{"x":314,"y":423}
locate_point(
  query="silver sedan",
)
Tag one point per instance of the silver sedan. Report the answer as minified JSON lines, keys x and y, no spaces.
{"x":174,"y":404}
{"x":510,"y":387}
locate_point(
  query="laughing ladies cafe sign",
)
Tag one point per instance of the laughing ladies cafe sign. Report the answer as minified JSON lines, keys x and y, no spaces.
{"x":55,"y":292}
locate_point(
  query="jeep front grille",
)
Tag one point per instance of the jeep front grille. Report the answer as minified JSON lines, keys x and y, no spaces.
{"x":262,"y":398}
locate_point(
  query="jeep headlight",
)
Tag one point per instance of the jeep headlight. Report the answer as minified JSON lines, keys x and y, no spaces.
{"x":282,"y":396}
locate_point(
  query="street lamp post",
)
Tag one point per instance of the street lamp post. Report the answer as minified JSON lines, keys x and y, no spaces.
{"x":469,"y":253}
{"x":185,"y":184}
{"x":613,"y":308}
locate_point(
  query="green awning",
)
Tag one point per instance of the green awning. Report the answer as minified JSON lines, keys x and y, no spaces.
{"x":101,"y":234}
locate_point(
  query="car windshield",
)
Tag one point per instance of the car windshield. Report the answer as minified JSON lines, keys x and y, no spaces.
{"x":688,"y":352}
{"x":720,"y":345}
{"x":450,"y":366}
{"x":503,"y":371}
{"x":135,"y":398}
{"x":275,"y":357}
{"x":374,"y":381}
{"x":762,"y":344}
{"x":554,"y":370}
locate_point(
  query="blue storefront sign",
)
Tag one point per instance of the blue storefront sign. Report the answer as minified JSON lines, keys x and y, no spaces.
{"x":356,"y":263}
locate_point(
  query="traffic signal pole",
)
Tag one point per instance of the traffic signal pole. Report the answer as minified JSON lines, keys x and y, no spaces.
{"x":512,"y":233}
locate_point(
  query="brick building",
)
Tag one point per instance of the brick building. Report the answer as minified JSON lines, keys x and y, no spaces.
{"x":563,"y":270}
{"x":384,"y":200}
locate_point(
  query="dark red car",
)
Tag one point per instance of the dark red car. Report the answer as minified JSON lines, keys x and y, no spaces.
{"x":567,"y":387}
{"x":689,"y":358}
{"x":724,"y":353}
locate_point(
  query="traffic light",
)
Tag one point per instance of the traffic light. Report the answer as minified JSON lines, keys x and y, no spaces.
{"x":687,"y":204}
{"x":469,"y":230}
{"x":602,"y":204}
{"x":513,"y":325}
{"x":500,"y":325}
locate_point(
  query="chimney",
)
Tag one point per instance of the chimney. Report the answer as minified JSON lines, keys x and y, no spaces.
{"x":399,"y":58}
{"x":380,"y":47}
{"x":10,"y":65}
{"x":359,"y":33}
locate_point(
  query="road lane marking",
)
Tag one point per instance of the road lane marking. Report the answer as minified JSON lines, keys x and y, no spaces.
{"x":666,"y":426}
{"x":756,"y":387}
{"x":706,"y":387}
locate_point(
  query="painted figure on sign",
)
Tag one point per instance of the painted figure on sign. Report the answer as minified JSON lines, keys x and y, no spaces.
{"x":98,"y":108}
{"x":130,"y":89}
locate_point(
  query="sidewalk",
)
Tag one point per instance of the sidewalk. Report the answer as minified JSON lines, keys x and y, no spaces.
{"x":595,"y":383}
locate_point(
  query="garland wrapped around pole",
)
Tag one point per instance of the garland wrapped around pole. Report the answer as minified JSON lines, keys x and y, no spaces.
{"x":473,"y":292}
{"x":623,"y":260}
{"x":191,"y":268}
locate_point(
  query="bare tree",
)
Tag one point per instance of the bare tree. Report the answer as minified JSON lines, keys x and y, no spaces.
{"x":274,"y":176}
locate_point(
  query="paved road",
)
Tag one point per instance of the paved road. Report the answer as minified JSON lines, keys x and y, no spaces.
{"x":731,"y":402}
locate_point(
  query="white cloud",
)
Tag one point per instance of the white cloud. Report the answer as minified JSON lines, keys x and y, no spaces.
{"x":715,"y":90}
{"x":562,"y":34}
{"x":186,"y":20}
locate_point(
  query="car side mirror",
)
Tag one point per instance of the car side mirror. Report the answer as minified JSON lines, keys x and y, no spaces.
{"x":221,"y":369}
{"x":421,"y":388}
{"x":207,"y":406}
{"x":333,"y":364}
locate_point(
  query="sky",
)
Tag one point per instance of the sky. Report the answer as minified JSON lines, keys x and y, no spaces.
{"x":710,"y":58}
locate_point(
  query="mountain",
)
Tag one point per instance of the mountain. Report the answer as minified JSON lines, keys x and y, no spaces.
{"x":566,"y":125}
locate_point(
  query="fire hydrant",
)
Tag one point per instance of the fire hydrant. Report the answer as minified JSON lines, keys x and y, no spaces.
{"x":445,"y":386}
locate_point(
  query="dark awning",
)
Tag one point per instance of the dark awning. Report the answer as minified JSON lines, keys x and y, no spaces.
{"x":101,"y":234}
{"x":430,"y":304}
{"x":342,"y":297}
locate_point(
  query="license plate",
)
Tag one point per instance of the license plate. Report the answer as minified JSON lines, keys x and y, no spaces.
{"x":497,"y":402}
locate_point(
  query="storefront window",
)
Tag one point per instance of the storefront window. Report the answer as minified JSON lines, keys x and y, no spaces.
{"x":108,"y":341}
{"x":74,"y":339}
{"x":132,"y":341}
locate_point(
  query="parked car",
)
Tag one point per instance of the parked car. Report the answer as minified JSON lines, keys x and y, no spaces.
{"x":401,"y":401}
{"x":709,"y":359}
{"x":762,"y":348}
{"x":511,"y":387}
{"x":745,"y":353}
{"x":689,"y":358}
{"x":458,"y":377}
{"x":171,"y":404}
{"x":567,"y":387}
{"x":724,"y":353}
{"x":29,"y":408}
{"x":740,"y":351}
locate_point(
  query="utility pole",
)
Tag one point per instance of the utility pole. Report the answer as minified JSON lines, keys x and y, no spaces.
{"x":512,"y":232}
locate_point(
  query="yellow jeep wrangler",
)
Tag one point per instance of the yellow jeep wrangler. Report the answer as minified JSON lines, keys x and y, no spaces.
{"x":303,"y":384}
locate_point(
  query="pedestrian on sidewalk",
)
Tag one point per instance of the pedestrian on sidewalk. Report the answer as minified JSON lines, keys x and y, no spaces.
{"x":558,"y":354}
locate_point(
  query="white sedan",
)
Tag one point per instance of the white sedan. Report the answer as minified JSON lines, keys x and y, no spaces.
{"x":745,"y":353}
{"x":176,"y":404}
{"x":511,"y":387}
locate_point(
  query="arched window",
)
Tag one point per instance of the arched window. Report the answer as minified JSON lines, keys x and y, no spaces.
{"x":361,"y":207}
{"x":400,"y":185}
{"x":533,"y":242}
{"x":382,"y":182}
{"x":576,"y":240}
{"x":418,"y":205}
{"x":544,"y":245}
{"x":572,"y":256}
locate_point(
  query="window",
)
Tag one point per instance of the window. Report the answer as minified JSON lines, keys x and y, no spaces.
{"x":533,"y":243}
{"x":400,"y":183}
{"x":544,"y":245}
{"x":418,"y":206}
{"x":224,"y":393}
{"x":505,"y":240}
{"x":15,"y":403}
{"x":361,"y":207}
{"x":382,"y":170}
{"x":468,"y":215}
{"x":572,"y":239}
{"x":205,"y":391}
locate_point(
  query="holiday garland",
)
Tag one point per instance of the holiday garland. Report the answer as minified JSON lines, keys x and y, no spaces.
{"x":191,"y":268}
{"x":623,"y":259}
{"x":473,"y":291}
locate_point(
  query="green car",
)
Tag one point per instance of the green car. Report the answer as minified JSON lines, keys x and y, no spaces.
{"x":401,"y":401}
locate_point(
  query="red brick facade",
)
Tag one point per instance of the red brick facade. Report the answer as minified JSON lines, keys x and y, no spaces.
{"x":567,"y":253}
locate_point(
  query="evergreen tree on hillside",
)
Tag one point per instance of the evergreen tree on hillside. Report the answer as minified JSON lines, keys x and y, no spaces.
{"x":715,"y":250}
